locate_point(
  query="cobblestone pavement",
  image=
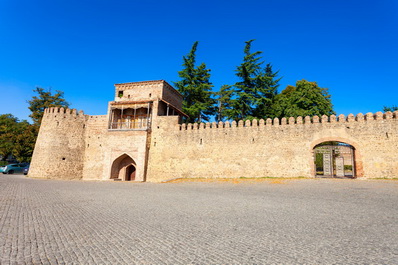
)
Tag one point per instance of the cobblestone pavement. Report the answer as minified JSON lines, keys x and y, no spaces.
{"x":320,"y":221}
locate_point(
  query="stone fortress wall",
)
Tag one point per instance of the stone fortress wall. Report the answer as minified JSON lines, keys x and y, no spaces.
{"x":72,"y":145}
{"x":272,"y":148}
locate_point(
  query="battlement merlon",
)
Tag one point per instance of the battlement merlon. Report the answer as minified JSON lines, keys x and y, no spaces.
{"x":54,"y":111}
{"x":148,"y":90}
{"x":291,"y":121}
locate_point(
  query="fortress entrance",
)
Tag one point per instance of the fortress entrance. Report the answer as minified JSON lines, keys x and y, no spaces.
{"x":123,"y":168}
{"x":130,"y":173}
{"x":334,"y":159}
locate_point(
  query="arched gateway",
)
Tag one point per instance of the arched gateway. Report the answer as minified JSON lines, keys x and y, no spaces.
{"x":123,"y":168}
{"x":335,"y":159}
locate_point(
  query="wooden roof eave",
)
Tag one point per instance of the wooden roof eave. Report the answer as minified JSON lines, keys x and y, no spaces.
{"x":174,"y":107}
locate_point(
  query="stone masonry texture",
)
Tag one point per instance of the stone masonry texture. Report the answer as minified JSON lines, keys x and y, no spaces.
{"x":73,"y":145}
{"x":302,"y":221}
{"x":271,"y":149}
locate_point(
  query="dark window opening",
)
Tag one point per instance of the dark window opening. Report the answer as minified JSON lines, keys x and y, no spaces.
{"x":165,"y":109}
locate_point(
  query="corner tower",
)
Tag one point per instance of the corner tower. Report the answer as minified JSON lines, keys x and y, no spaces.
{"x":59,"y":149}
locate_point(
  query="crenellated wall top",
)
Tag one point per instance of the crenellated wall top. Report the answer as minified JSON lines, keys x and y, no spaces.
{"x":368,"y":117}
{"x":66,"y":111}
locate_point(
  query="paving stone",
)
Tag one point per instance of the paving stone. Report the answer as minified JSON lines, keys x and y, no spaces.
{"x":320,"y":221}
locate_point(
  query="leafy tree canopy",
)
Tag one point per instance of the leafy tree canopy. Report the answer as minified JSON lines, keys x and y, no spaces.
{"x":17,"y":138}
{"x":43,"y":100}
{"x":8,"y":129}
{"x":304,"y":99}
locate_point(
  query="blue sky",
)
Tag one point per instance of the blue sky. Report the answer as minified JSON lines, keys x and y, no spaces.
{"x":84,"y":47}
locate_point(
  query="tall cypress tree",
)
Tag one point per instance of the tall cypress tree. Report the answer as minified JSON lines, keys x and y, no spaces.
{"x":195,"y":86}
{"x":257,"y":86}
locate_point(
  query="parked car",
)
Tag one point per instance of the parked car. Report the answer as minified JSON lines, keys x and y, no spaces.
{"x":26,"y":170}
{"x":13,"y":168}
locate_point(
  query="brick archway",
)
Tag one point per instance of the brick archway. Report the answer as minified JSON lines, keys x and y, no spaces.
{"x":122,"y":166}
{"x":357,"y":154}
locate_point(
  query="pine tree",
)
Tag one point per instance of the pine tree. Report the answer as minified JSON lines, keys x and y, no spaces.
{"x":195,"y":86}
{"x":225,"y":103}
{"x":268,"y":89}
{"x":257,"y":88}
{"x":392,"y":108}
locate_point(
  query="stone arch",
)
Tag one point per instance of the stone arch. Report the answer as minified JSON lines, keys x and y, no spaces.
{"x":123,"y":168}
{"x":358,"y":164}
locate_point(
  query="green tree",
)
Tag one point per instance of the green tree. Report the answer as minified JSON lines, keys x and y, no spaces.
{"x":257,"y":87}
{"x":43,"y":100}
{"x":281,"y":102}
{"x":304,"y":99}
{"x":195,"y":86}
{"x":17,"y":138}
{"x":8,"y":131}
{"x":392,"y":108}
{"x":25,"y":141}
{"x":269,"y":84}
{"x":225,"y":102}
